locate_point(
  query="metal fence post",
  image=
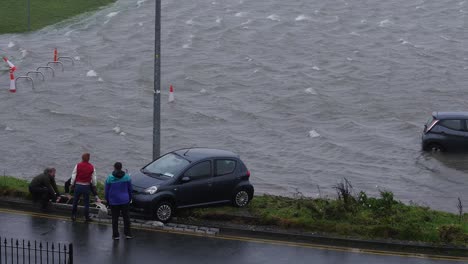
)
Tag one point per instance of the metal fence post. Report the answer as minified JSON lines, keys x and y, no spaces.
{"x":70,"y":253}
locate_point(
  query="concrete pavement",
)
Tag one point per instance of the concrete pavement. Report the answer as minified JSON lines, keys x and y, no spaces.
{"x":93,"y":244}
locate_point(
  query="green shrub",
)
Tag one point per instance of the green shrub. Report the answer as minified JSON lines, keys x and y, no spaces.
{"x":452,"y":234}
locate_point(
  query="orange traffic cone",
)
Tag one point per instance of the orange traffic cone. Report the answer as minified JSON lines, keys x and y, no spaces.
{"x":171,"y":94}
{"x":12,"y":82}
{"x":12,"y":75}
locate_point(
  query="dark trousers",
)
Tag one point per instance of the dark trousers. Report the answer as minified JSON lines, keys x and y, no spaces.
{"x":42,"y":195}
{"x":81,"y":190}
{"x":116,"y":210}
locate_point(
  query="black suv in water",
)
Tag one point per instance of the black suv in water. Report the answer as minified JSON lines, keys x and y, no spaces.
{"x":190,"y":177}
{"x":446,"y":131}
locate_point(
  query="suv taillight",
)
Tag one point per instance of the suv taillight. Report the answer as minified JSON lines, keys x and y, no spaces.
{"x":248,"y":174}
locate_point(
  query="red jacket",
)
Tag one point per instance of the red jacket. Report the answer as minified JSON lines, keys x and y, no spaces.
{"x":84,"y":173}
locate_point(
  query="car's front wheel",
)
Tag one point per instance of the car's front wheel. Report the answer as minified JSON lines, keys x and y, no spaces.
{"x":241,"y":198}
{"x":163,"y":211}
{"x":435,"y":147}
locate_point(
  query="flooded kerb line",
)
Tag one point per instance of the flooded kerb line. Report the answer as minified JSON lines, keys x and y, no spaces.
{"x":258,"y":240}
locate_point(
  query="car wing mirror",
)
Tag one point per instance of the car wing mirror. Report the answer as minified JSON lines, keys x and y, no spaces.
{"x":185,"y":179}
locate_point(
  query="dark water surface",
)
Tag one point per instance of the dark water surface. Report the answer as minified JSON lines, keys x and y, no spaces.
{"x":307,"y":92}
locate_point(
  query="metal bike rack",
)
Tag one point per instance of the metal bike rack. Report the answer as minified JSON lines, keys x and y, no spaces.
{"x":67,"y":58}
{"x":56,"y":62}
{"x":47,"y":67}
{"x":36,"y":72}
{"x":25,"y":77}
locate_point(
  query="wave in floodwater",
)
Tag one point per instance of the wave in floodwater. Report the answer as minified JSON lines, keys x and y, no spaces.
{"x":307,"y":92}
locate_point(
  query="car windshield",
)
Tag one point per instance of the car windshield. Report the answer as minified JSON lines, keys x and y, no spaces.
{"x":168,"y":165}
{"x":430,"y":123}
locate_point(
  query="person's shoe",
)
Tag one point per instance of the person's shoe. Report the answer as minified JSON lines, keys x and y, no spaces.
{"x":128,"y":236}
{"x":116,"y":238}
{"x":73,"y":218}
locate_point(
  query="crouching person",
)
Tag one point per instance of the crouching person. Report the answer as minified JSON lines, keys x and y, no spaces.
{"x":43,"y":188}
{"x":118,"y":195}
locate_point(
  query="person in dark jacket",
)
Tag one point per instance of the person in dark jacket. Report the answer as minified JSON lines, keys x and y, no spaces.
{"x":118,"y":195}
{"x":43,"y":188}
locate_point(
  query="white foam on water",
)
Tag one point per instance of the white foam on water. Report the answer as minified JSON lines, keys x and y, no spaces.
{"x":313,"y":134}
{"x":112,"y":14}
{"x":465,"y":68}
{"x":363,"y":21}
{"x":241,"y":14}
{"x":385,"y":23}
{"x":123,"y":133}
{"x":100,"y":79}
{"x":349,"y":59}
{"x":140,"y":24}
{"x":116,"y":129}
{"x":302,"y":18}
{"x":203,"y":91}
{"x":316,"y":68}
{"x":274,"y":17}
{"x":218,"y":19}
{"x":354,"y":33}
{"x":310,"y":90}
{"x":23,"y":52}
{"x":8,"y":128}
{"x":404,"y":42}
{"x":11,"y":44}
{"x":246,"y":22}
{"x":77,"y":58}
{"x":91,"y":73}
{"x":189,"y":22}
{"x":140,"y":2}
{"x":186,"y":46}
{"x":68,"y":33}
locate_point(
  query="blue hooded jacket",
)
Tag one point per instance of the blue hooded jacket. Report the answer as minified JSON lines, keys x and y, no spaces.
{"x":118,"y":188}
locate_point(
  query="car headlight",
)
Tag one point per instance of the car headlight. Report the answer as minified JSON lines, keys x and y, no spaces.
{"x":151,"y":190}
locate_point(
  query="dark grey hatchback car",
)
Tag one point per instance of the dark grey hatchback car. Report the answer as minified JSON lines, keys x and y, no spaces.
{"x":446,"y":131}
{"x":192,"y":177}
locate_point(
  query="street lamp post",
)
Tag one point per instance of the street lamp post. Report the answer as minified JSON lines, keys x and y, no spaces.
{"x":157,"y":83}
{"x":29,"y":14}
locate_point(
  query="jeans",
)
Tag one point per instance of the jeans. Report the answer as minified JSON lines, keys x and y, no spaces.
{"x":116,"y":210}
{"x":81,"y":190}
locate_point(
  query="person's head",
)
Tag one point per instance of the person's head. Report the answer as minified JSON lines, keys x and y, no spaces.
{"x":50,"y":172}
{"x":118,"y":166}
{"x":85,"y":157}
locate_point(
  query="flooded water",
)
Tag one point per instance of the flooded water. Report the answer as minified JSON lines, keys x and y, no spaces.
{"x":307,"y":92}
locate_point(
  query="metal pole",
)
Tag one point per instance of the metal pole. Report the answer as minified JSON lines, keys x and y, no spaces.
{"x":29,"y":15}
{"x":157,"y":83}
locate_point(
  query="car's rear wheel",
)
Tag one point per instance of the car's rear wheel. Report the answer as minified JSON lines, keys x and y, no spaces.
{"x":241,"y":198}
{"x":163,"y":211}
{"x":435,"y":147}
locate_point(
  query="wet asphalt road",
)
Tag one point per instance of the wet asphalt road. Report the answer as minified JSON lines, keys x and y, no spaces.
{"x":93,"y":244}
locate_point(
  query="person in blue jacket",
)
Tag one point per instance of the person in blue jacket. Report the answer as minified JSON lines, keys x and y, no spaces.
{"x":118,"y":194}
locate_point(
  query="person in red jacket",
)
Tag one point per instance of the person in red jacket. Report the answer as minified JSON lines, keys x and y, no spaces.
{"x":83,"y":179}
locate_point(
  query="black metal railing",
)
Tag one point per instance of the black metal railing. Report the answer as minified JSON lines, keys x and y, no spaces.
{"x":25,"y":251}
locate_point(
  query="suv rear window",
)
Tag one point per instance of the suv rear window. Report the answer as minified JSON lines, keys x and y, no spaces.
{"x":452,"y":124}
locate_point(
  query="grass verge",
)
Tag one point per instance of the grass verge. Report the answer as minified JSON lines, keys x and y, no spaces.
{"x":353,"y":216}
{"x":43,"y":12}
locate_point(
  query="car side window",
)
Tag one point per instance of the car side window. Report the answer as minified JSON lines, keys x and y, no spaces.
{"x":224,"y":167}
{"x":454,"y":124}
{"x":199,"y":171}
